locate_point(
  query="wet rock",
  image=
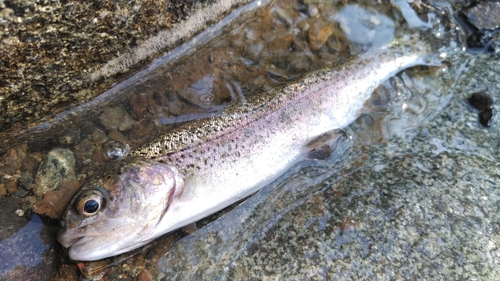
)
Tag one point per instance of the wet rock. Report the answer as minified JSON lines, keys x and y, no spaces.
{"x":484,"y":15}
{"x":85,"y":150}
{"x":317,"y":37}
{"x":26,"y":181}
{"x":58,"y":166}
{"x":54,"y":202}
{"x":174,"y":105}
{"x":312,"y":11}
{"x":3,"y":190}
{"x":116,"y":118}
{"x":283,"y":16}
{"x":69,"y":137}
{"x":117,"y":136}
{"x":87,"y":128}
{"x":138,"y":105}
{"x":98,"y":136}
{"x":11,"y":186}
{"x":31,"y":162}
{"x":13,"y":159}
{"x":144,"y":275}
{"x":142,"y":131}
{"x":126,"y":124}
{"x":21,"y":193}
{"x":200,"y":93}
{"x":67,"y":272}
{"x":281,"y":43}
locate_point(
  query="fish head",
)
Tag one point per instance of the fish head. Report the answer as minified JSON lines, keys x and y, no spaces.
{"x":117,"y":209}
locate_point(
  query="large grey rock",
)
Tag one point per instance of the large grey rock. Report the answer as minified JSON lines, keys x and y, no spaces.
{"x":58,"y":166}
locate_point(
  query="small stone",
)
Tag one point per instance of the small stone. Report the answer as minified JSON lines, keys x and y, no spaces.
{"x":87,"y":129}
{"x":85,"y":150}
{"x":200,"y":93}
{"x":142,"y":131}
{"x":98,"y":136}
{"x":21,"y":193}
{"x":117,"y":136}
{"x":13,"y":159}
{"x":139,"y":105}
{"x":58,"y":166}
{"x":318,"y":38}
{"x":69,"y":137}
{"x":283,"y":16}
{"x":313,"y":11}
{"x":31,"y":163}
{"x":54,"y":202}
{"x":144,"y":275}
{"x":19,"y":212}
{"x":25,"y":181}
{"x":126,"y":124}
{"x":11,"y":186}
{"x":112,"y":117}
{"x":3,"y":190}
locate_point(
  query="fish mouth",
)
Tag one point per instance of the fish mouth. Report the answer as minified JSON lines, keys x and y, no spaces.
{"x":68,"y":242}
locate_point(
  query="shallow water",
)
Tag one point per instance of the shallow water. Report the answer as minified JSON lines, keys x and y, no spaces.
{"x":270,"y":44}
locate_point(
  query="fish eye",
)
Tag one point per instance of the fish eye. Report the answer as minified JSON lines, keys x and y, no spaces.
{"x":90,"y":204}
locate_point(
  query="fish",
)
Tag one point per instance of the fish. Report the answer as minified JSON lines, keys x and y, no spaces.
{"x":208,"y":164}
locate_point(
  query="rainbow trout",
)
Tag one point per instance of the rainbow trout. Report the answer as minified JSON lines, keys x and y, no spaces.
{"x":209,"y":164}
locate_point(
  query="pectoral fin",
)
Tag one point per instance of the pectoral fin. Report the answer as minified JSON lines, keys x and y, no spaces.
{"x":322,"y":146}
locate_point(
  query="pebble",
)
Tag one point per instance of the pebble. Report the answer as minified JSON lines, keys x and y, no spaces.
{"x":200,"y":93}
{"x":116,"y":118}
{"x":13,"y":159}
{"x":85,"y":149}
{"x":138,"y":105}
{"x":58,"y":166}
{"x":126,"y":124}
{"x":69,"y":137}
{"x":318,"y":38}
{"x":3,"y":190}
{"x":283,"y":16}
{"x":144,"y":275}
{"x":26,"y":181}
{"x":313,"y":11}
{"x":19,"y":212}
{"x":11,"y":186}
{"x":98,"y":136}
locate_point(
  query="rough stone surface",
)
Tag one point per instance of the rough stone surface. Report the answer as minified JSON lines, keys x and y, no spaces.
{"x":59,"y":166}
{"x":53,"y":52}
{"x":485,"y":15}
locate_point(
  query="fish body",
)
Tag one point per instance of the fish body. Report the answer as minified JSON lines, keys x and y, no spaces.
{"x":209,"y":164}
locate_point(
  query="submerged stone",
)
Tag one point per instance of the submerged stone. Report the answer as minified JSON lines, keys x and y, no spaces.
{"x":58,"y":166}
